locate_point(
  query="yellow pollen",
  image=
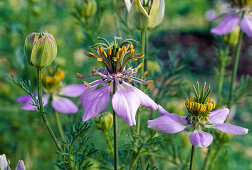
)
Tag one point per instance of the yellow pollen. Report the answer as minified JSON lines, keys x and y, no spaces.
{"x":115,"y":59}
{"x":131,"y":48}
{"x":148,"y":82}
{"x":127,"y":47}
{"x":99,"y":59}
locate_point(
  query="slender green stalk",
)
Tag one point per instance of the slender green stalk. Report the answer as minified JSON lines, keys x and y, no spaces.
{"x":42,"y":112}
{"x":223,"y":61}
{"x":192,"y":157}
{"x":115,"y":134}
{"x":143,"y":37}
{"x":207,"y":158}
{"x":215,"y":155}
{"x":108,"y":142}
{"x":59,"y":125}
{"x":236,"y":62}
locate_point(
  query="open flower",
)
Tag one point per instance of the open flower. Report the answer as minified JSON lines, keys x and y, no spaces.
{"x":127,"y":98}
{"x":240,"y":16}
{"x":5,"y":166}
{"x":145,"y":14}
{"x":55,"y":91}
{"x":199,"y":117}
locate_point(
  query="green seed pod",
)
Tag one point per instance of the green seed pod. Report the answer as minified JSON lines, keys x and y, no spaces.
{"x":29,"y":43}
{"x":44,"y":51}
{"x":104,"y":122}
{"x":146,"y":16}
{"x":232,"y":37}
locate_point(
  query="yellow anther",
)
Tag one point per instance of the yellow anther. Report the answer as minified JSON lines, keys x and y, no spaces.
{"x":134,"y":59}
{"x":105,"y":54}
{"x":86,"y":84}
{"x":127,"y":47}
{"x":124,"y":49}
{"x":99,"y":59}
{"x":115,"y":59}
{"x":101,"y":49}
{"x":131,"y":54}
{"x":79,"y":76}
{"x":145,"y":73}
{"x":116,"y":45}
{"x":148,"y":82}
{"x":117,"y":55}
{"x":131,"y":48}
{"x":90,"y":54}
{"x":130,"y":80}
{"x":109,"y":51}
{"x":140,"y":55}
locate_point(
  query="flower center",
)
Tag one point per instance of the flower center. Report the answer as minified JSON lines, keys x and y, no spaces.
{"x":199,"y":107}
{"x":114,"y":56}
{"x":52,"y":80}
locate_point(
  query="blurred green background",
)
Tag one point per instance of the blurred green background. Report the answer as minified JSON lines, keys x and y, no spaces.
{"x":184,"y":30}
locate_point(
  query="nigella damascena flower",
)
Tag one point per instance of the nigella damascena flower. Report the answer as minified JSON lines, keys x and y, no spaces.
{"x":240,"y":15}
{"x":5,"y":166}
{"x":127,"y":98}
{"x":200,"y":116}
{"x":54,"y":89}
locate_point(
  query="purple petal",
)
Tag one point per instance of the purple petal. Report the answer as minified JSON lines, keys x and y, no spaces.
{"x":64,"y":105}
{"x":125,"y":103}
{"x":73,"y":90}
{"x":218,"y":116}
{"x":162,"y":111}
{"x":231,"y":129}
{"x":228,"y":24}
{"x":246,"y":25}
{"x":170,"y":123}
{"x":3,"y":162}
{"x":20,"y":165}
{"x":22,"y":99}
{"x":94,"y":102}
{"x":29,"y":103}
{"x":145,"y":100}
{"x":201,"y":139}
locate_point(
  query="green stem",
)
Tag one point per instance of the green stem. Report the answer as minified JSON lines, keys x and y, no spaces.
{"x":222,"y":73}
{"x":42,"y":112}
{"x":143,"y":36}
{"x":108,"y":142}
{"x":215,"y":155}
{"x":192,"y":157}
{"x":237,"y":55}
{"x":207,"y":158}
{"x":115,"y":134}
{"x":58,"y":123}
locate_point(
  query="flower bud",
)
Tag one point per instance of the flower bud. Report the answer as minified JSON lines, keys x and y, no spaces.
{"x":44,"y":51}
{"x":232,"y":37}
{"x":87,"y":8}
{"x":146,"y":16}
{"x":29,"y":43}
{"x":105,"y":121}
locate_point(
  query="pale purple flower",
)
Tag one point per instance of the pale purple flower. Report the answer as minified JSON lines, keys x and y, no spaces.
{"x":173,"y":123}
{"x":127,"y":98}
{"x":4,"y":164}
{"x":59,"y":103}
{"x":232,"y":19}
